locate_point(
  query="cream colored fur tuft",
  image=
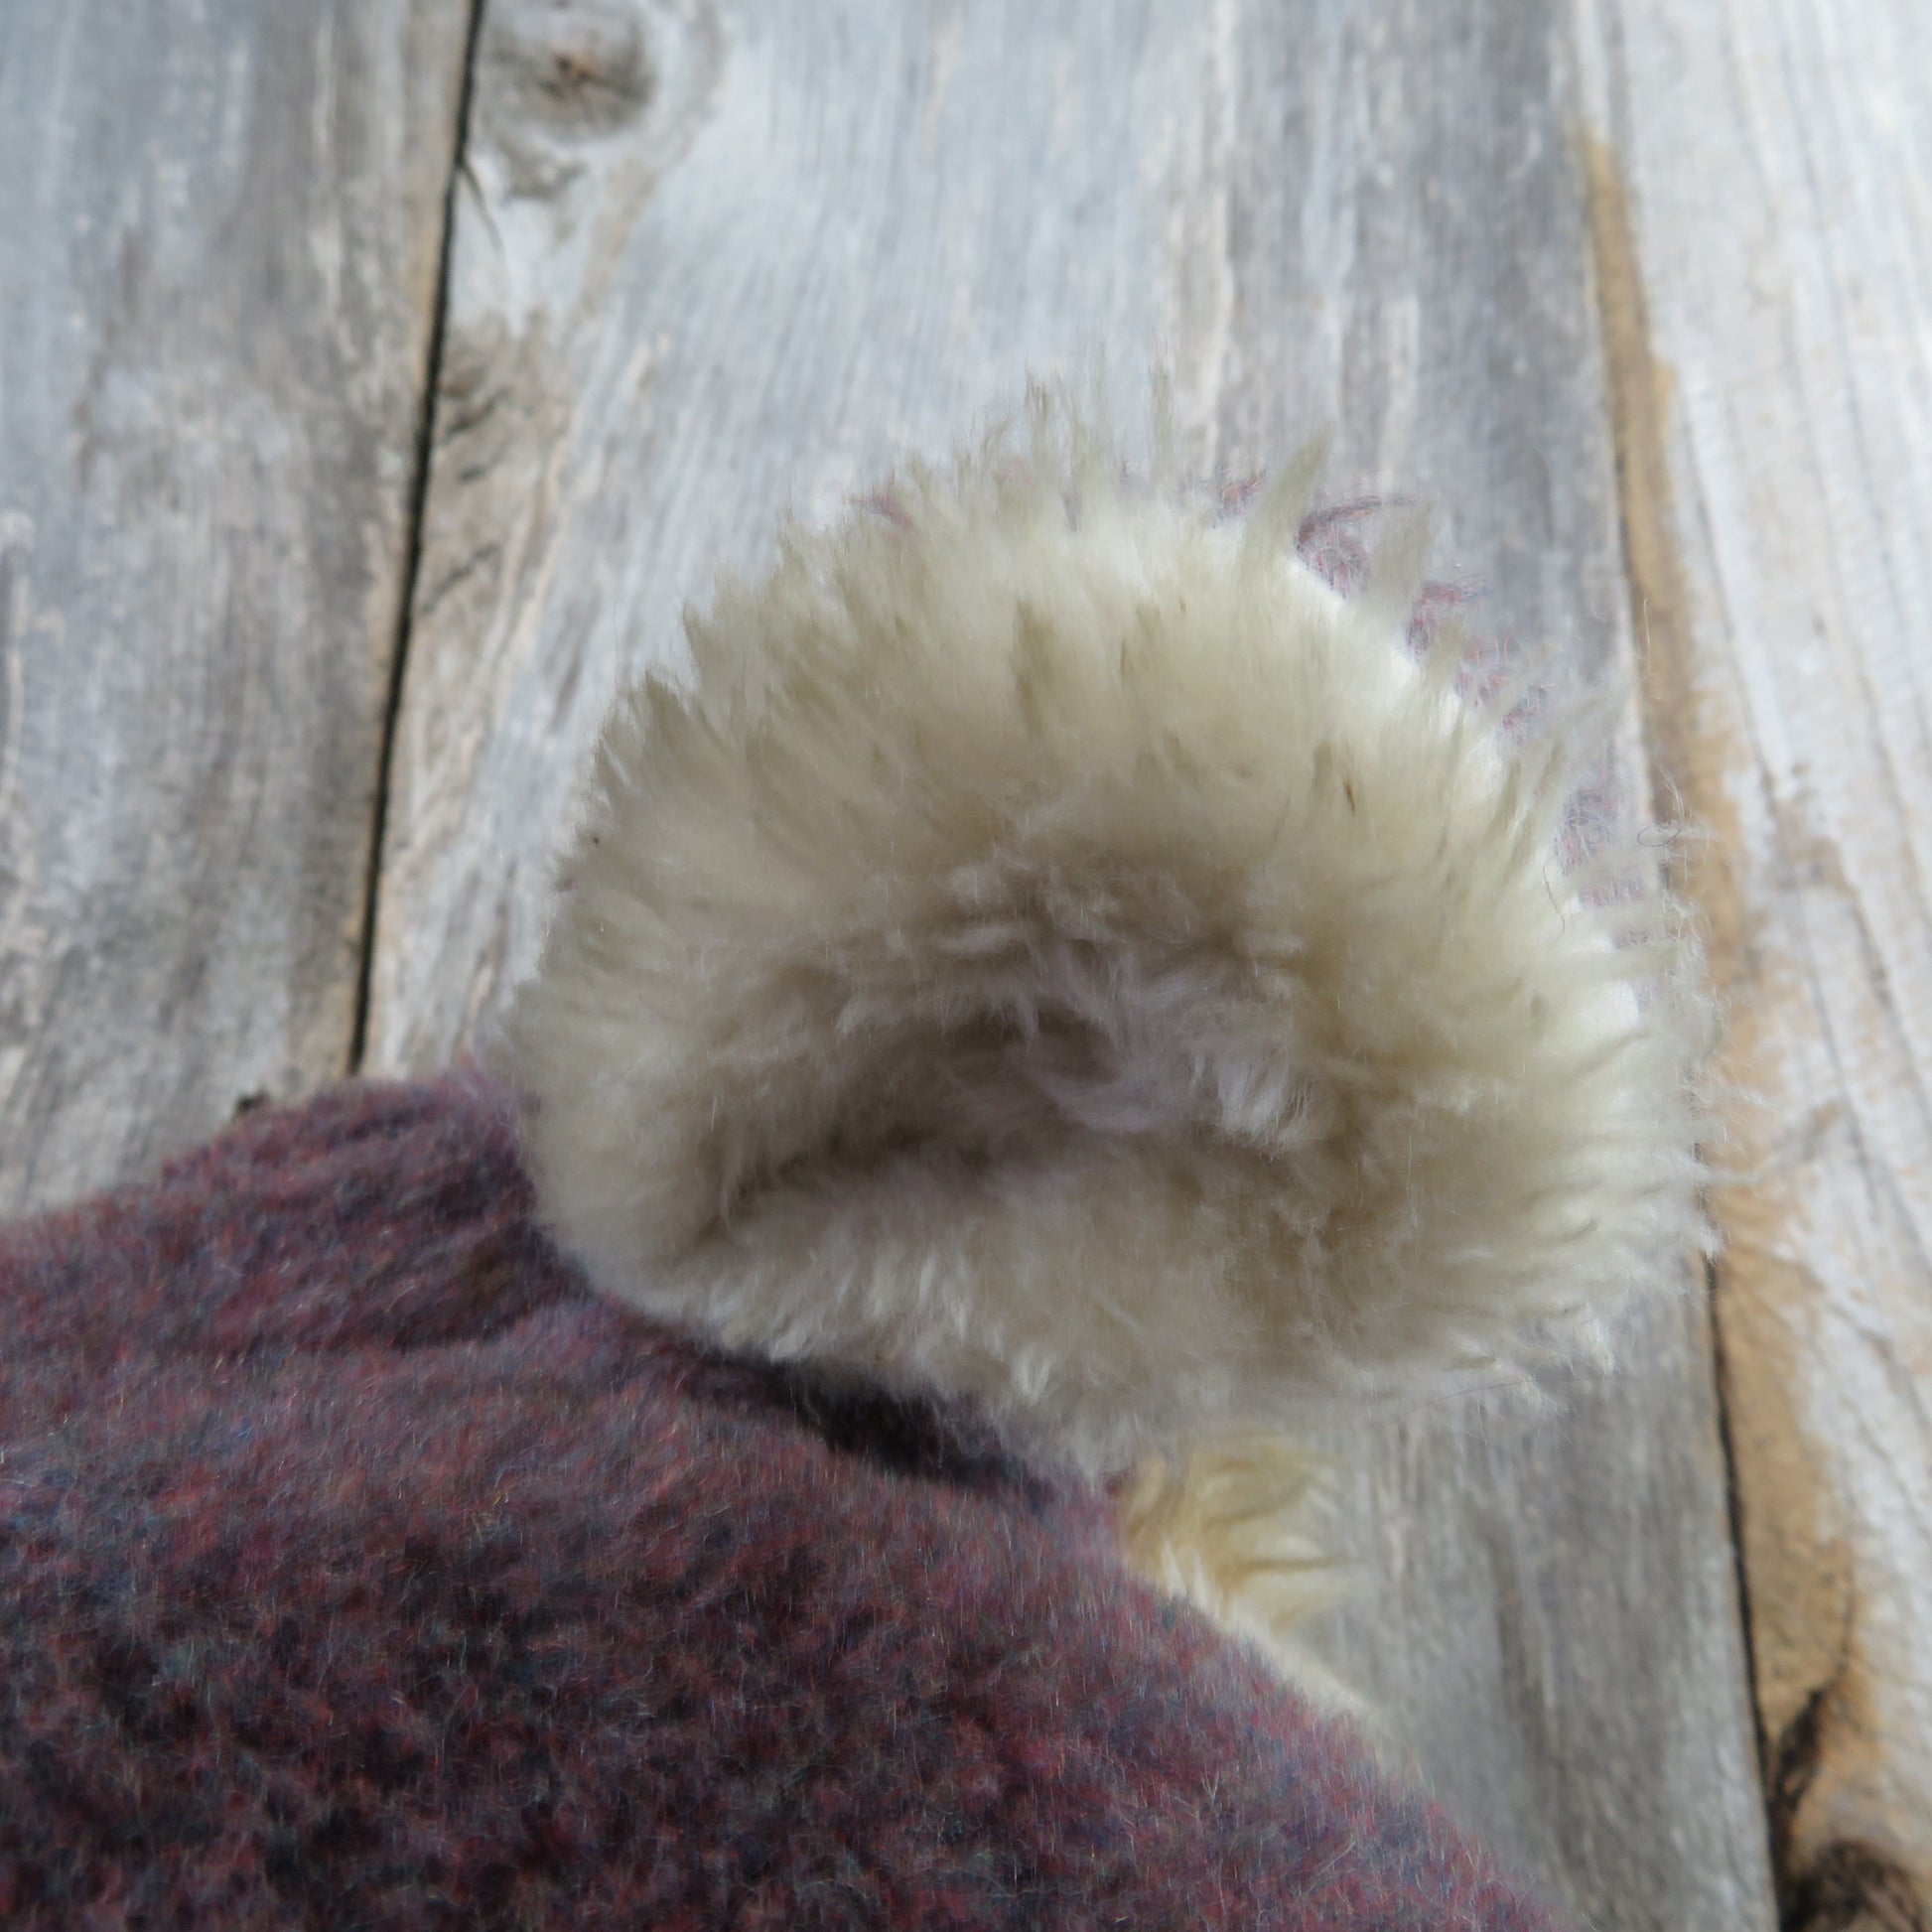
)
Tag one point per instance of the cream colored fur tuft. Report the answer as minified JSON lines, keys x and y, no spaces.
{"x":1058,"y":950}
{"x":1234,"y":1529}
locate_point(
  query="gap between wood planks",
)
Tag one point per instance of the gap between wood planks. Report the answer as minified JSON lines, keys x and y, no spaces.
{"x":1847,"y":1883}
{"x":419,"y":483}
{"x":1638,"y":404}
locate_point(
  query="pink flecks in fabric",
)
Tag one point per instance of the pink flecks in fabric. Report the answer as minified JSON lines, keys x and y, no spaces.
{"x":358,"y":1569}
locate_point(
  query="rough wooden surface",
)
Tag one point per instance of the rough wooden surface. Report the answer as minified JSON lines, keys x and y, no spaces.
{"x":709,"y":263}
{"x":220,"y":235}
{"x":1397,"y":212}
{"x":1770,"y":316}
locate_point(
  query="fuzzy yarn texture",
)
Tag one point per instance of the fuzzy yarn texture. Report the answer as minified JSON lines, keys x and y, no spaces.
{"x":1058,"y":949}
{"x":360,"y":1569}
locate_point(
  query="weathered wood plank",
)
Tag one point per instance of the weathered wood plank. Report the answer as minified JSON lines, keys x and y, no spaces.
{"x":711,"y":263}
{"x":219,"y":251}
{"x":1550,"y":1613}
{"x":1769,"y":312}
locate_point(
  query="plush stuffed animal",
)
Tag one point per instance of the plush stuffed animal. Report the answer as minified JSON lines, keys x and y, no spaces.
{"x":1066,"y":982}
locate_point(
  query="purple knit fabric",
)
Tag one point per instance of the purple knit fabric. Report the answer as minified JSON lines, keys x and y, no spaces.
{"x":359,"y":1570}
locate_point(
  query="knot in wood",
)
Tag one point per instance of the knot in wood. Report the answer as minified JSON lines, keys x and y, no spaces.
{"x":574,"y":67}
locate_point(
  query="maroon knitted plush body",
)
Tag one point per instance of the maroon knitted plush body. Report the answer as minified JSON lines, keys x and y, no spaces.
{"x":359,"y":1570}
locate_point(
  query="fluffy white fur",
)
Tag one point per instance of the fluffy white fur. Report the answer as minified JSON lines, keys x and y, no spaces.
{"x":1234,"y":1528}
{"x":1058,"y":950}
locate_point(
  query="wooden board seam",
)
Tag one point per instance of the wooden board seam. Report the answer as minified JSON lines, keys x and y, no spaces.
{"x":1846,"y":1882}
{"x":419,"y":480}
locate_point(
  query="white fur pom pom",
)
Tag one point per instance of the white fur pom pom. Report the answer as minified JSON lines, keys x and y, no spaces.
{"x":1058,"y":950}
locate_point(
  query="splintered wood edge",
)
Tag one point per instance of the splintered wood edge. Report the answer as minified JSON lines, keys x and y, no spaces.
{"x":1842,"y":1704}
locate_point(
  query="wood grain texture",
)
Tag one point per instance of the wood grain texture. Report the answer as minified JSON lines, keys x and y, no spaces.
{"x":219,"y":251}
{"x":713,"y":262}
{"x":1549,"y":1615}
{"x":1770,"y":313}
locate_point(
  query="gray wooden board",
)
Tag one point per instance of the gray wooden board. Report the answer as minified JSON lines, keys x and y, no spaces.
{"x":219,"y":236}
{"x":713,"y":262}
{"x":1769,"y":310}
{"x":1548,"y":1616}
